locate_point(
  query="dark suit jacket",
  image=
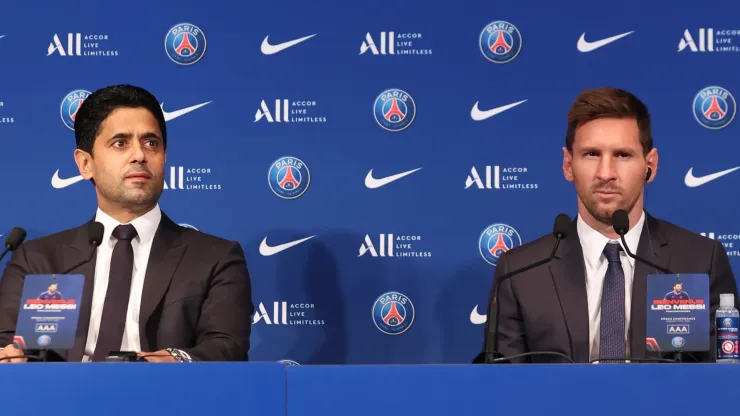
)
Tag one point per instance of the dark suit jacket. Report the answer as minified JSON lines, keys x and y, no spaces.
{"x":197,"y":291}
{"x":546,"y":309}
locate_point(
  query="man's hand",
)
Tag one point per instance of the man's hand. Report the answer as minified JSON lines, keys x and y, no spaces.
{"x":12,"y":351}
{"x":161,"y":356}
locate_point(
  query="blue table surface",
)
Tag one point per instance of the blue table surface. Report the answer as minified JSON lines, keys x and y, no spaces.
{"x":134,"y":389}
{"x":272,"y":389}
{"x":602,"y":389}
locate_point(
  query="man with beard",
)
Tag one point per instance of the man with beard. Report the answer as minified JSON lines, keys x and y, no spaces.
{"x":168,"y":293}
{"x":590,"y":301}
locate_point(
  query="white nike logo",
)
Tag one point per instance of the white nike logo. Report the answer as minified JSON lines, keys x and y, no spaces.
{"x":60,"y":183}
{"x":181,"y":112}
{"x":477,"y":318}
{"x":268,"y":49}
{"x":693,"y":181}
{"x":373,"y":183}
{"x":585,"y":46}
{"x":478,"y":115}
{"x":266,"y":250}
{"x":2,"y":36}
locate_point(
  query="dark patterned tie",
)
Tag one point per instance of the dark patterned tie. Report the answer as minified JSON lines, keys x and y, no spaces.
{"x":612,"y":343}
{"x":113,"y":321}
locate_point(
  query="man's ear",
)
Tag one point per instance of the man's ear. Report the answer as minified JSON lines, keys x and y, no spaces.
{"x":567,"y":165}
{"x":652,"y":163}
{"x":84,"y":163}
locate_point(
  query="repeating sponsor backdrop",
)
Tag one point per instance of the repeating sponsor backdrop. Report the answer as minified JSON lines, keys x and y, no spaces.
{"x":373,"y":161}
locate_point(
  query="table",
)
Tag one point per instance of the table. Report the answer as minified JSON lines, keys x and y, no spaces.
{"x":602,"y":389}
{"x":132,"y":389}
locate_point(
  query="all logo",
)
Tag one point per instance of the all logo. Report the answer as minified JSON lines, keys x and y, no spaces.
{"x":190,"y":179}
{"x":728,"y":242}
{"x":497,"y":177}
{"x":288,"y":177}
{"x":393,"y":313}
{"x":391,"y":43}
{"x":78,"y":44}
{"x":389,"y":245}
{"x":185,"y":44}
{"x":288,"y":111}
{"x":714,"y":107}
{"x":497,"y":239}
{"x":286,"y":313}
{"x":70,"y":105}
{"x":394,"y":109}
{"x":500,"y":42}
{"x":709,"y":40}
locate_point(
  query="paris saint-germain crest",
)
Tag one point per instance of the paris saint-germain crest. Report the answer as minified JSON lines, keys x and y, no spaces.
{"x":185,"y":44}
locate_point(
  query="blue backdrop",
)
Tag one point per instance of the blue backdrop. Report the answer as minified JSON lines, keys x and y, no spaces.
{"x":385,"y":268}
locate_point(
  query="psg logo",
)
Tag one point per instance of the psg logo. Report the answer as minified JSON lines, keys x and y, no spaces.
{"x":678,"y":342}
{"x":288,"y":177}
{"x":497,"y":239}
{"x":185,"y":44}
{"x":394,"y":109}
{"x":714,"y":107}
{"x":500,"y":42}
{"x":44,"y":340}
{"x":393,"y":313}
{"x":70,"y":105}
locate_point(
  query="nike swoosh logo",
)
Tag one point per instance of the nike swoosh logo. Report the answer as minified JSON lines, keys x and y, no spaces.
{"x":693,"y":181}
{"x":268,"y":49}
{"x":266,"y":250}
{"x":586,"y":46}
{"x":478,"y":115}
{"x":181,"y":112}
{"x":373,"y":183}
{"x":60,"y":183}
{"x":2,"y":36}
{"x":477,"y":318}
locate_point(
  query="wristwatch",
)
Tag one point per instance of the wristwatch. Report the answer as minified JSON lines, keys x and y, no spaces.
{"x":180,"y":355}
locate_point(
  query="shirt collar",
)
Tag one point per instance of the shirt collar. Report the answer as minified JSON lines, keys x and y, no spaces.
{"x":146,"y":225}
{"x":593,"y":242}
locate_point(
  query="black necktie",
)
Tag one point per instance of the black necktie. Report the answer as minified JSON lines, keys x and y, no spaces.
{"x":113,"y":321}
{"x":612,"y":343}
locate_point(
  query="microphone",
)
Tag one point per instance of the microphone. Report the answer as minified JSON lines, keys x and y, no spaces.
{"x":14,"y":240}
{"x":491,"y":352}
{"x":95,"y":238}
{"x":621,"y":224}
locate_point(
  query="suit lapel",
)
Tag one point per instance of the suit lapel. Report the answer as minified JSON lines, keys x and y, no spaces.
{"x":164,"y":258}
{"x":653,"y":247}
{"x":569,"y":276}
{"x":79,"y":250}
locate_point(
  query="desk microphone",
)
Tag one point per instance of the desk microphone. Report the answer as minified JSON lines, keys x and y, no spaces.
{"x":491,"y":352}
{"x":95,"y":238}
{"x":621,"y":224}
{"x":13,"y":241}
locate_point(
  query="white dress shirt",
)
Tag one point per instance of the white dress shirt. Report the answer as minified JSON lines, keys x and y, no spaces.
{"x":593,"y":243}
{"x":146,"y":226}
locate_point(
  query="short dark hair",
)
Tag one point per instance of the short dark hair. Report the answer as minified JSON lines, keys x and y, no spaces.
{"x":606,"y":102}
{"x":98,"y":106}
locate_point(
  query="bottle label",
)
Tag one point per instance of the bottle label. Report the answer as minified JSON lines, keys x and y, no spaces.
{"x":727,"y":338}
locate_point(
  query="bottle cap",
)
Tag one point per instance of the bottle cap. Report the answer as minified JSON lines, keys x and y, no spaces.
{"x":726,"y":300}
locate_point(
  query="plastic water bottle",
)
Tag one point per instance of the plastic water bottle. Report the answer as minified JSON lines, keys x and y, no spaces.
{"x":726,"y":319}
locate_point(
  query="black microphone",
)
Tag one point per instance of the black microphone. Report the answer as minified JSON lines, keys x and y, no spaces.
{"x":13,"y":241}
{"x":491,"y":352}
{"x":621,"y":224}
{"x":94,"y":237}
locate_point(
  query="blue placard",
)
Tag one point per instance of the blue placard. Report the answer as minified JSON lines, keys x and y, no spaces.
{"x":678,"y":312}
{"x":49,"y":311}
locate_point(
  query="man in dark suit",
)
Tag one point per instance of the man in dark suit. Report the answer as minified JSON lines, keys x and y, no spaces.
{"x":169,"y":293}
{"x":590,"y":302}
